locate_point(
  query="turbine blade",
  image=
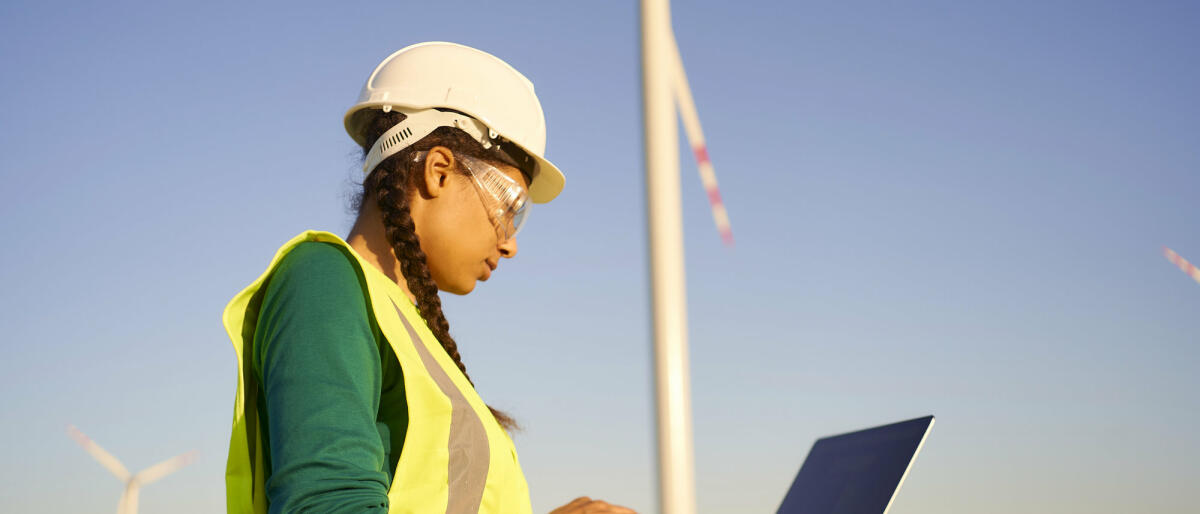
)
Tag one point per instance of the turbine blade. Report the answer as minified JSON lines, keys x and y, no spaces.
{"x":691,"y":125}
{"x":103,"y":457}
{"x":1185,"y":266}
{"x":164,"y":468}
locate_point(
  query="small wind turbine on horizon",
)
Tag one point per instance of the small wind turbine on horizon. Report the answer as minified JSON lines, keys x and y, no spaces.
{"x":133,"y":483}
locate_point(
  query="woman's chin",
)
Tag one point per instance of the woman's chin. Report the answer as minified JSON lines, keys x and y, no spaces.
{"x":460,"y":288}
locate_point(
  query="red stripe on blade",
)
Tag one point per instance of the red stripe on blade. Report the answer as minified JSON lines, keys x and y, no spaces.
{"x":714,"y":196}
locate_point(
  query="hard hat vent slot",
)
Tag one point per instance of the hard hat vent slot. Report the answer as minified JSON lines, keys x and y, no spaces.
{"x":396,"y":139}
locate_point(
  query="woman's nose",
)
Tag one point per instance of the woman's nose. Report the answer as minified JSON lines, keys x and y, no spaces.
{"x":508,"y":248}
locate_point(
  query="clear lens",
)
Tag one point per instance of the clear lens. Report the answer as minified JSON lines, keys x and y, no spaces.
{"x":506,"y":201}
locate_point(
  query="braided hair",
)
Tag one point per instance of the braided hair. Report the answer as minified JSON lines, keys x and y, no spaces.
{"x":389,"y":185}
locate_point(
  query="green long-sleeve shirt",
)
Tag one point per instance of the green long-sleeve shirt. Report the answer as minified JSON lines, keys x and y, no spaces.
{"x":333,"y":408}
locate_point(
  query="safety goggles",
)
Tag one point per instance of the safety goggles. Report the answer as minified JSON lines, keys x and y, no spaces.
{"x":506,"y":202}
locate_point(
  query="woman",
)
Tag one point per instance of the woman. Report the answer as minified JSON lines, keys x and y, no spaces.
{"x":352,"y":396}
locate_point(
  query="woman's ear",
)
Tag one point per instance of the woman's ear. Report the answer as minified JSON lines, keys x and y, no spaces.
{"x":439,"y":165}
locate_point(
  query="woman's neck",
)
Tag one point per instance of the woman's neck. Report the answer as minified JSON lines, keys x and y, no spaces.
{"x":369,"y":239}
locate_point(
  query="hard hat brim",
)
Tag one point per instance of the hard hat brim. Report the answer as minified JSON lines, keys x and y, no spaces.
{"x":547,"y":180}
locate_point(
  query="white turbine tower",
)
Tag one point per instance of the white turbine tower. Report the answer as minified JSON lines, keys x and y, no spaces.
{"x":133,"y":483}
{"x":665,"y":86}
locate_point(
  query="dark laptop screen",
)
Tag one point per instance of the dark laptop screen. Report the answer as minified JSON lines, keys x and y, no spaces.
{"x":855,"y":473}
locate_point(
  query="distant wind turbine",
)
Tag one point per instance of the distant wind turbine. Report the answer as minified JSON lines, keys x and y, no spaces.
{"x":133,"y":483}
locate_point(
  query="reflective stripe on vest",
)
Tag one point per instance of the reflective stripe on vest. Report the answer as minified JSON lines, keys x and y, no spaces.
{"x":468,"y":466}
{"x":455,"y":458}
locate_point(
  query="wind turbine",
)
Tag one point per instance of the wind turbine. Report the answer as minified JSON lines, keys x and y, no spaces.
{"x":664,"y":85}
{"x":133,"y":483}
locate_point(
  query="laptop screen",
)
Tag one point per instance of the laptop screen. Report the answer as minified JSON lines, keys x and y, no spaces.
{"x":858,"y":472}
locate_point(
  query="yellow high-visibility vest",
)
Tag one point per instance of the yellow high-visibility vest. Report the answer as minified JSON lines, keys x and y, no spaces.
{"x":456,"y":458}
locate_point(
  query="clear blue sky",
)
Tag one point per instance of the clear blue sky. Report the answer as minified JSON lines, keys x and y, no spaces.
{"x":940,"y":208}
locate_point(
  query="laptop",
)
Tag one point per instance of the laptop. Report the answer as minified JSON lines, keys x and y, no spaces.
{"x":857,"y":472}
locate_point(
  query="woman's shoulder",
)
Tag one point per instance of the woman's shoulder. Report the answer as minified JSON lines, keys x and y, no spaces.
{"x":315,"y":294}
{"x":316,"y":259}
{"x":316,"y":271}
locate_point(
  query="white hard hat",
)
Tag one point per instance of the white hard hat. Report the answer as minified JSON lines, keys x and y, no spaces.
{"x":499,"y":103}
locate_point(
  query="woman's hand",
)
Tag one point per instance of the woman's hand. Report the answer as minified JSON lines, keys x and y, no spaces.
{"x":585,"y":505}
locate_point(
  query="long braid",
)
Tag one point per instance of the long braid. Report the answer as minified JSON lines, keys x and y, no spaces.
{"x":389,"y":185}
{"x":401,"y":233}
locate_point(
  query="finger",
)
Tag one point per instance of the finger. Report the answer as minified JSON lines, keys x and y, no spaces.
{"x":573,"y":506}
{"x":610,"y":509}
{"x":616,"y":509}
{"x":600,"y":506}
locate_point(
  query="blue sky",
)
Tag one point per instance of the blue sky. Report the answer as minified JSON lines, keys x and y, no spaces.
{"x":948,"y":208}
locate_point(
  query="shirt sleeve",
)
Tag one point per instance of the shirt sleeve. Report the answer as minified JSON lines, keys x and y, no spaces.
{"x":320,"y":373}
